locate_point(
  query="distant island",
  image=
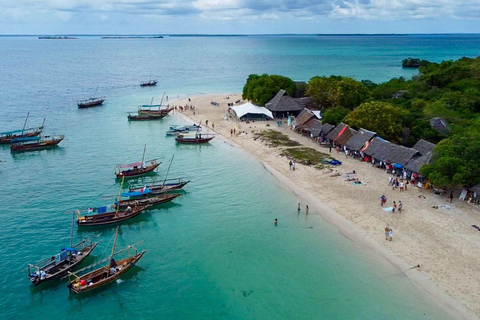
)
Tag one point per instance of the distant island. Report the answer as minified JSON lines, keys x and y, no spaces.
{"x":57,"y":38}
{"x":132,"y":37}
{"x":414,"y":63}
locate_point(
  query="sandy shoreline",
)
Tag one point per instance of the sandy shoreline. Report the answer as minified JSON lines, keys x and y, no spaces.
{"x":441,"y":241}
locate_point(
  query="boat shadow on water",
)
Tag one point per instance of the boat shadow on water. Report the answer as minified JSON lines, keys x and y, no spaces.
{"x":58,"y":150}
{"x":100,"y":291}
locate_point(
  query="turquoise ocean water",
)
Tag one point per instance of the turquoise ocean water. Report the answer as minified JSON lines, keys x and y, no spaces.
{"x":213,"y":253}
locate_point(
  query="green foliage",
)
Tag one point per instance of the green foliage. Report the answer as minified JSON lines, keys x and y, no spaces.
{"x":350,"y":93}
{"x":447,"y":72}
{"x":414,"y":63}
{"x":261,"y":89}
{"x":306,"y":156}
{"x":337,"y":91}
{"x":274,"y":138}
{"x":387,"y":89}
{"x":381,"y":117}
{"x":457,"y":160}
{"x":334,"y":115}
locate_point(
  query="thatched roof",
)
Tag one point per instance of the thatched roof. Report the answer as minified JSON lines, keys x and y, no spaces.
{"x":357,"y":142}
{"x":475,"y":188}
{"x":305,"y":102}
{"x":377,"y":148}
{"x":440,"y":125}
{"x":335,"y":132}
{"x":303,"y":117}
{"x":400,"y":154}
{"x":345,"y":136}
{"x":326,"y":128}
{"x":316,"y":128}
{"x":416,"y":163}
{"x":423,"y":146}
{"x":282,"y":102}
{"x":390,"y":152}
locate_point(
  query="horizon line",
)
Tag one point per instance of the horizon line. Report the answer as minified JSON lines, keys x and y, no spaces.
{"x":231,"y":34}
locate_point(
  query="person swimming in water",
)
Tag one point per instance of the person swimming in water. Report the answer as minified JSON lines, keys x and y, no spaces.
{"x":275,"y":222}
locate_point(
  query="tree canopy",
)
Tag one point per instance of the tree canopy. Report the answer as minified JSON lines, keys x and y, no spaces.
{"x":384,"y":118}
{"x":334,"y":115}
{"x":337,"y":91}
{"x":261,"y":89}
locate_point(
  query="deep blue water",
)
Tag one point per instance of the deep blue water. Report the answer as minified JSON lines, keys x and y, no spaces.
{"x":213,"y":253}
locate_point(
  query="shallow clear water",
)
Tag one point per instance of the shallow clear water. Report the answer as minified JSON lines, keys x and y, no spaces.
{"x":213,"y":252}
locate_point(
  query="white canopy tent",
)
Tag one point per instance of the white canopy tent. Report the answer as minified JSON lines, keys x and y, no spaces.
{"x":251,"y":111}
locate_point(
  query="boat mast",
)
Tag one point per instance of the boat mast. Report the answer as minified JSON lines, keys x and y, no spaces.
{"x":95,"y":93}
{"x":25,"y":124}
{"x":161,"y":101}
{"x":43,"y":123}
{"x":151,"y":102}
{"x":166,"y":175}
{"x":71,"y":232}
{"x":143,"y":158}
{"x":114,"y":244}
{"x":120,"y":193}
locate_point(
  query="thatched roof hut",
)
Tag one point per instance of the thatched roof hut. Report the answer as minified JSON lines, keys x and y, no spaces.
{"x":377,"y":148}
{"x":357,"y":142}
{"x":475,"y":188}
{"x":316,"y":128}
{"x":304,"y":117}
{"x":415,"y":164}
{"x":326,"y":129}
{"x":344,"y":136}
{"x":440,"y":125}
{"x":336,"y":131}
{"x":283,"y":103}
{"x":423,"y":146}
{"x":400,"y":154}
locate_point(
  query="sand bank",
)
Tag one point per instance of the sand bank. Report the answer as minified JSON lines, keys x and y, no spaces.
{"x":441,"y":241}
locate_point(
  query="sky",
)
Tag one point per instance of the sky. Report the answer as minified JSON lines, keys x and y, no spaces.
{"x":238,"y":16}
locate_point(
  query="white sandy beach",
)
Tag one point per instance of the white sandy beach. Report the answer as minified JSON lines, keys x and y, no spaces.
{"x":441,"y":241}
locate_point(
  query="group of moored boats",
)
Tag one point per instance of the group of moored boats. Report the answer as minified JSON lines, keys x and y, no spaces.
{"x":29,"y":139}
{"x":126,"y":206}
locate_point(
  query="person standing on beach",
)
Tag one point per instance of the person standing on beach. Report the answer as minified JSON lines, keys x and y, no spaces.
{"x":394,"y":206}
{"x":390,"y":180}
{"x":231,"y":132}
{"x":206,"y":123}
{"x":330,"y":147}
{"x":400,"y":205}
{"x":213,"y":125}
{"x":293,"y":165}
{"x":383,"y":200}
{"x":390,"y":234}
{"x":306,"y":209}
{"x":298,"y":208}
{"x":290,"y":164}
{"x":451,"y":196}
{"x":386,"y":233}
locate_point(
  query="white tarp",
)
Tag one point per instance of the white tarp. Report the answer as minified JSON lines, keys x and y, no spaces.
{"x":246,"y":108}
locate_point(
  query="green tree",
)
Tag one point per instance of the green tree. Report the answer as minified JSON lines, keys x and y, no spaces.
{"x":261,"y":89}
{"x":349,"y":93}
{"x":334,"y":115}
{"x":322,"y":90}
{"x":382,"y":117}
{"x":456,"y":160}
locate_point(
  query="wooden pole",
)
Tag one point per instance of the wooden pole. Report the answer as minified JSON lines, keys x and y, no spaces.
{"x":143,"y":157}
{"x":114,"y":243}
{"x":24,"y":125}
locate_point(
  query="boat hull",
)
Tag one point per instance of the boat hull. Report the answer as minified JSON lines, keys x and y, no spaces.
{"x":104,"y":275}
{"x":146,"y":117}
{"x":184,"y":140}
{"x":102,"y":219}
{"x":134,"y":173}
{"x":35,"y":146}
{"x":149,"y":201}
{"x":8,"y":139}
{"x":59,"y":270}
{"x":84,"y":105}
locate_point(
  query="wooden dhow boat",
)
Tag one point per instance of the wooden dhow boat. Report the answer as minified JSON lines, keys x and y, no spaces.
{"x":106,"y":274}
{"x":61,"y":263}
{"x":198,"y":138}
{"x":162,"y":187}
{"x":90,"y":102}
{"x":105,"y":218}
{"x":46,"y":142}
{"x":23,"y":134}
{"x":146,"y":117}
{"x":149,"y":83}
{"x":150,"y":202}
{"x":154,"y":109}
{"x":136,"y":169}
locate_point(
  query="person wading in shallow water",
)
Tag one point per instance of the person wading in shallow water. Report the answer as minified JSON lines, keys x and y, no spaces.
{"x":275,"y":222}
{"x":298,"y":208}
{"x":306,"y":209}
